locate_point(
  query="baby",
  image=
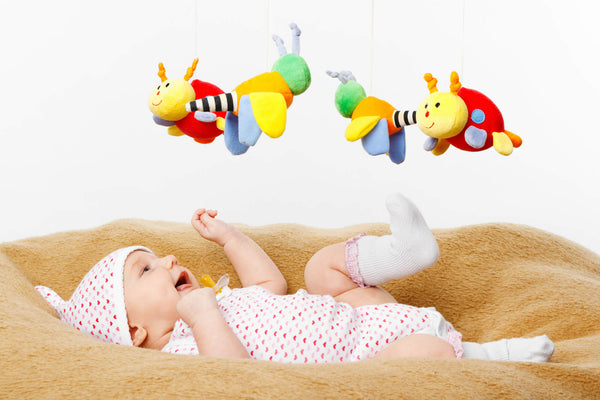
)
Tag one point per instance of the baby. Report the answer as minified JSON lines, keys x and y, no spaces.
{"x":133,"y":297}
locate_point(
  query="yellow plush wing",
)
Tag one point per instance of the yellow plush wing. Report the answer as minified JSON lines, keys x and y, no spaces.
{"x":270,"y":110}
{"x":360,"y":127}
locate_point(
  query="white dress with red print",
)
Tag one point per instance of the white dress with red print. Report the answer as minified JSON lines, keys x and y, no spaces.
{"x":305,"y":328}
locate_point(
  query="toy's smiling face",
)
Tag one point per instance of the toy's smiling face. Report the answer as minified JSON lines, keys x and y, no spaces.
{"x":442,"y":115}
{"x":168,"y":100}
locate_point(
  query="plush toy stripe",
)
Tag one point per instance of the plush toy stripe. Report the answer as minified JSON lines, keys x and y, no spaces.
{"x":222,"y":102}
{"x":404,"y":118}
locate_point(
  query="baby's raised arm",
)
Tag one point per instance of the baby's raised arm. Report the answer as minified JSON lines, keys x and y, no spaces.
{"x":252,"y":264}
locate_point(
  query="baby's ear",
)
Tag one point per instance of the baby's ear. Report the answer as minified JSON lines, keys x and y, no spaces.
{"x":138,"y":335}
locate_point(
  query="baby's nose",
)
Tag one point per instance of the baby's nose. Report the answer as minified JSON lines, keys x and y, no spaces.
{"x":169,"y":261}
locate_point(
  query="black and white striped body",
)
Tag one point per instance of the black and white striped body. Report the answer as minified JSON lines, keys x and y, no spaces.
{"x":404,"y":118}
{"x":222,"y":102}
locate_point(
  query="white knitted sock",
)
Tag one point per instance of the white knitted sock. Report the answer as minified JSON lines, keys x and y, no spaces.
{"x":409,"y":249}
{"x":537,"y":349}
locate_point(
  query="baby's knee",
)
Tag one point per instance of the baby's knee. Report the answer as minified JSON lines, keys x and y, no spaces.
{"x":328,"y":257}
{"x":321,"y":264}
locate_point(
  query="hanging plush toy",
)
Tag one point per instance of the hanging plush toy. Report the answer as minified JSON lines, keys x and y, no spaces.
{"x":259,"y":104}
{"x":167,"y":104}
{"x":464,"y":118}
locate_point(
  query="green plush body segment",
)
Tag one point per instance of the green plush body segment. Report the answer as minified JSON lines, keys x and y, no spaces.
{"x":294,"y":71}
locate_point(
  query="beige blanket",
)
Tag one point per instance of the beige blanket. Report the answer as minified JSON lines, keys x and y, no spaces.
{"x":492,"y":281}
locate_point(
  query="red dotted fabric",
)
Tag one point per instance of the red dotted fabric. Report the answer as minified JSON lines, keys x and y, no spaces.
{"x":304,"y":328}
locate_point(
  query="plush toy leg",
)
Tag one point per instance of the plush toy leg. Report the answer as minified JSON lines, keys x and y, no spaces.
{"x":430,"y":143}
{"x":441,"y":147}
{"x":409,"y":249}
{"x":398,"y":147}
{"x":502,"y":143}
{"x":248,"y":129}
{"x":232,"y":141}
{"x":174,"y":131}
{"x":377,"y":141}
{"x":162,"y":122}
{"x":205,"y":116}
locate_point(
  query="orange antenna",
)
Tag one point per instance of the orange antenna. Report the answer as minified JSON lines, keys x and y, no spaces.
{"x":454,"y":82}
{"x":162,"y":72}
{"x":190,"y":70}
{"x":431,"y":82}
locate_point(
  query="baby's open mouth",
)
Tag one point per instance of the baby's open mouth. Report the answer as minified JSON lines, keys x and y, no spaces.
{"x":183,"y":282}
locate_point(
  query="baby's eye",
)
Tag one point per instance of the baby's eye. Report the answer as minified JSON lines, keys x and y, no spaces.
{"x":146,"y":269}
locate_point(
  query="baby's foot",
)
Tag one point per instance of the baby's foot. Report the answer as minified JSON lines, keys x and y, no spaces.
{"x":409,"y":249}
{"x":537,"y":349}
{"x":411,"y":236}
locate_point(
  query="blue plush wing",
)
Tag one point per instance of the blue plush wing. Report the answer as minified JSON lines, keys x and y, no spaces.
{"x":248,"y":129}
{"x":232,"y":141}
{"x":378,"y":140}
{"x":398,"y":146}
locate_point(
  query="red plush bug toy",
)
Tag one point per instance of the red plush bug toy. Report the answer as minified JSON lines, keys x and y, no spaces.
{"x":167,"y":103}
{"x":463,"y":118}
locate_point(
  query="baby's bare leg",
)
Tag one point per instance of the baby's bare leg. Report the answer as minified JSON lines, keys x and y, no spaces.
{"x":418,"y":346}
{"x":326,"y":273}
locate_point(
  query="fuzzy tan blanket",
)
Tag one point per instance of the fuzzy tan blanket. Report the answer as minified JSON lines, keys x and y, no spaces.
{"x":492,"y":281}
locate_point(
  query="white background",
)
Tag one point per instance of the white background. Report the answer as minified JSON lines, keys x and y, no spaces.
{"x":78,"y":147}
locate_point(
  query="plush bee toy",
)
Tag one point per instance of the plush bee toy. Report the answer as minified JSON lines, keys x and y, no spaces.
{"x":463,"y":118}
{"x":257,"y":105}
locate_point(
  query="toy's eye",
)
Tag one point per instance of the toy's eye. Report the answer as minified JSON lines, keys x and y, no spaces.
{"x":167,"y":85}
{"x":426,"y":106}
{"x":437,"y":105}
{"x":158,"y":87}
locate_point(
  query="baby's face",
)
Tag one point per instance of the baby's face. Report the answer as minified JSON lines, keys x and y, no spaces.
{"x":152,"y":288}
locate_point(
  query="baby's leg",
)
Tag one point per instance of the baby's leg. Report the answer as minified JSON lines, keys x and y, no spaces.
{"x":418,"y":345}
{"x":345,"y":270}
{"x":326,"y":273}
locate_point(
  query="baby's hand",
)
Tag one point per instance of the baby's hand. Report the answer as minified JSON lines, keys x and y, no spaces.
{"x":197,"y":305}
{"x":210,"y":228}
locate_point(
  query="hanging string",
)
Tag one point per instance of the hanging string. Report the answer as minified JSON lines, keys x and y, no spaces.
{"x":462,"y":42}
{"x":196,"y":24}
{"x":372,"y":46}
{"x":268,"y":41}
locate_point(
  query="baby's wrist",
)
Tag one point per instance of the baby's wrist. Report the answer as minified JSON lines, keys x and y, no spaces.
{"x":205,"y":318}
{"x":232,"y":236}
